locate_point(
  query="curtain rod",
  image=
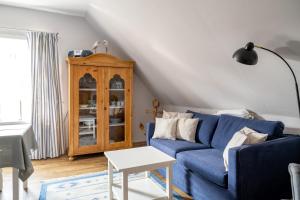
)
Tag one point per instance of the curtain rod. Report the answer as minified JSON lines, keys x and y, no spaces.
{"x":21,"y":29}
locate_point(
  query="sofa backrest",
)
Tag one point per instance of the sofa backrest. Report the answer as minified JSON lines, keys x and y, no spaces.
{"x":229,"y":125}
{"x":206,"y":127}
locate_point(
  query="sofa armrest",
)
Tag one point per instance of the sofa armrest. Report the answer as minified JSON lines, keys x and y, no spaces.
{"x":149,"y":131}
{"x":260,"y":171}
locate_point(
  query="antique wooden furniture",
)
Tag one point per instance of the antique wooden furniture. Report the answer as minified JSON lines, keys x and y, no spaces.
{"x":100,"y":104}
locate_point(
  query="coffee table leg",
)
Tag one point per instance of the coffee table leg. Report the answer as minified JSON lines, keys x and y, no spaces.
{"x":147,"y":174}
{"x":110,"y":180}
{"x":125,"y":186}
{"x":169,"y":182}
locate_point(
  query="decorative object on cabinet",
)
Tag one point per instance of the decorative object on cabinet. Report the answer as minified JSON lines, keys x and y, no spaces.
{"x":99,"y":43}
{"x":79,"y":53}
{"x":100,"y":104}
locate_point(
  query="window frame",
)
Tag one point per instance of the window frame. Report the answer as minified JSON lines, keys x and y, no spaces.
{"x":20,"y":35}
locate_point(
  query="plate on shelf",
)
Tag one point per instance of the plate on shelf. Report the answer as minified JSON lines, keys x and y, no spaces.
{"x":84,"y":105}
{"x":115,"y":120}
{"x":89,"y":123}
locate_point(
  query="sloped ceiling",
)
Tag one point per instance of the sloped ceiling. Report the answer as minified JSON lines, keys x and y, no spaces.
{"x":183,"y":49}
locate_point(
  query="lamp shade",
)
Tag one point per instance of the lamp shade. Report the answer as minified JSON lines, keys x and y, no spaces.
{"x":246,"y":55}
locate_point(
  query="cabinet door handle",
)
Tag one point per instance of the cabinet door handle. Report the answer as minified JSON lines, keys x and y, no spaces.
{"x":105,"y":108}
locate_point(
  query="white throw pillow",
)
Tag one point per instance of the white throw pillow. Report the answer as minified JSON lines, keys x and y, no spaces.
{"x":169,"y":115}
{"x":165,"y":128}
{"x":243,"y":136}
{"x":244,"y":113}
{"x":186,"y":129}
{"x":238,"y":139}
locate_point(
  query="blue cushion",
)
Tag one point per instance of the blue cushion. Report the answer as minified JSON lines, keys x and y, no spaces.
{"x":172,"y":147}
{"x":206,"y":127}
{"x":229,"y":125}
{"x":207,"y":163}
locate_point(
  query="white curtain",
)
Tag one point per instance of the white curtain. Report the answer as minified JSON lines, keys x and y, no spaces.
{"x":47,"y":120}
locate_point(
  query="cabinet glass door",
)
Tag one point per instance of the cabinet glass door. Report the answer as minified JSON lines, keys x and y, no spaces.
{"x":116,"y":109}
{"x":87,"y":128}
{"x":87,"y":106}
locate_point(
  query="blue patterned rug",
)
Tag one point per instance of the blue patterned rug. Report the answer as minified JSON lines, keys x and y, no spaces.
{"x":87,"y":187}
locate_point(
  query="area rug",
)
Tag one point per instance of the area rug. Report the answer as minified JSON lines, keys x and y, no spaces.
{"x":87,"y":187}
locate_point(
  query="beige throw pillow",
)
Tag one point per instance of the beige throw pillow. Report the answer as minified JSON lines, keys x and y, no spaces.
{"x":165,"y":128}
{"x":186,"y":129}
{"x":244,"y":136}
{"x":169,"y":115}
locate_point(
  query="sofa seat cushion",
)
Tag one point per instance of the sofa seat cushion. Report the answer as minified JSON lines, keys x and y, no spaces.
{"x":172,"y":147}
{"x":229,"y":125}
{"x":206,"y":127}
{"x":208,"y":163}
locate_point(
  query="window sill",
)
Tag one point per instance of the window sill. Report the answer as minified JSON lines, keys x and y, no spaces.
{"x":13,"y":123}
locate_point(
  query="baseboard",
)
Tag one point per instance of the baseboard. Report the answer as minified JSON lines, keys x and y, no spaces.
{"x":139,"y":144}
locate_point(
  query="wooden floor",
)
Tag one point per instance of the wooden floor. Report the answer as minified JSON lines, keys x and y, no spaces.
{"x":56,"y":168}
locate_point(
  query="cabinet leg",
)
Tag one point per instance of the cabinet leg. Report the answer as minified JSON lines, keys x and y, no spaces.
{"x":71,"y":158}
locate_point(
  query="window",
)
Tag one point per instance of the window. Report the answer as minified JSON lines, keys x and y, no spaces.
{"x":15,"y":80}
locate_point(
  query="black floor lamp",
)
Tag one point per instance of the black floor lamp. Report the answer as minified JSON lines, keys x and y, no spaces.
{"x":248,"y":56}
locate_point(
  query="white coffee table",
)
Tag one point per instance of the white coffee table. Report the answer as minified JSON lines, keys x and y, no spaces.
{"x":135,"y":160}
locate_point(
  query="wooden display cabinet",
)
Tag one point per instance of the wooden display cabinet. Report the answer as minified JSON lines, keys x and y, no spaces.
{"x":100,"y":104}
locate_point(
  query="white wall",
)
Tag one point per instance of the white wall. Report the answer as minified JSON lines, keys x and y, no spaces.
{"x":142,"y":102}
{"x":74,"y":33}
{"x":183,"y":50}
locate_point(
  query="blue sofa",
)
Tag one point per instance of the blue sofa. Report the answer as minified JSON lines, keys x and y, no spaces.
{"x":255,"y":172}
